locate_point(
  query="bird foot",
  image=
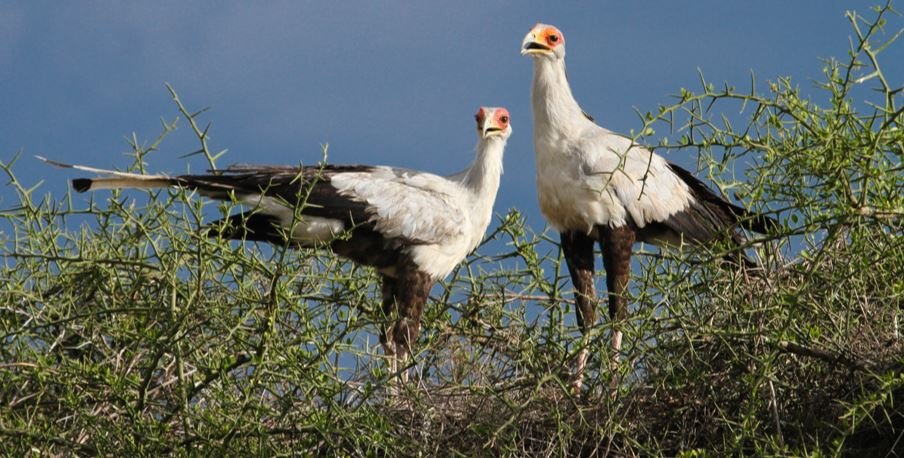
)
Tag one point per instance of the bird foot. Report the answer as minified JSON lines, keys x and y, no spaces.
{"x":577,"y":378}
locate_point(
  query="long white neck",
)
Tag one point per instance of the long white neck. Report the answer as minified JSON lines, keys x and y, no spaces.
{"x":481,"y":180}
{"x":553,"y":104}
{"x":482,"y":177}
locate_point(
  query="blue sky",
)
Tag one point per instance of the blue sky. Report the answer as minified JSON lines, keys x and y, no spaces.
{"x":387,"y":82}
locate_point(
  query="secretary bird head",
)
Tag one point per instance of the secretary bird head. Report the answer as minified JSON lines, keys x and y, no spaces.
{"x":544,"y":41}
{"x":493,"y":122}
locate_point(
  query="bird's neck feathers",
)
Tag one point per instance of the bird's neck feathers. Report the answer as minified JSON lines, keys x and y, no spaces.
{"x":481,"y":180}
{"x":553,"y":104}
{"x":482,"y":177}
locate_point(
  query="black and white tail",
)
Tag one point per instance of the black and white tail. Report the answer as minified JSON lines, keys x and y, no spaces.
{"x":711,"y":218}
{"x":115,"y":180}
{"x":719,"y":211}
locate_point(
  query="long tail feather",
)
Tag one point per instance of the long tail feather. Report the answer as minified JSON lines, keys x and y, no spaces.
{"x":116,"y":179}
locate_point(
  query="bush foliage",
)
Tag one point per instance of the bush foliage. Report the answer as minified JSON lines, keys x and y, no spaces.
{"x":127,"y":331}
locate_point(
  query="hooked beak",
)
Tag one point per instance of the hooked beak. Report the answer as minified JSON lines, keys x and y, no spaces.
{"x":531,"y":45}
{"x":490,"y":128}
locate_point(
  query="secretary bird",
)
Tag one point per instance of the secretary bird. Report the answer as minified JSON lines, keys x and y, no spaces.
{"x":597,"y":186}
{"x":412,"y":227}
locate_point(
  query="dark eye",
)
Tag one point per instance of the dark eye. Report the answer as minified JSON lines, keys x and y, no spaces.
{"x":554,"y":38}
{"x":504,"y":119}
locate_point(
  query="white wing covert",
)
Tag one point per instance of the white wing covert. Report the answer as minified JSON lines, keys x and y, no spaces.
{"x":641,"y":182}
{"x":420,"y":207}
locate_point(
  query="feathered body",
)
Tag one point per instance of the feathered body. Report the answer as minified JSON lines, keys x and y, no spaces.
{"x":589,"y":176}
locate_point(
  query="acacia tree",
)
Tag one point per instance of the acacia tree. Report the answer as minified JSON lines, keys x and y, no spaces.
{"x":127,"y":330}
